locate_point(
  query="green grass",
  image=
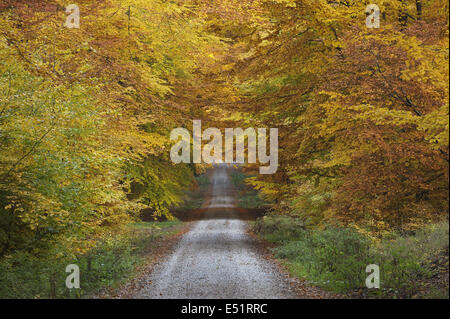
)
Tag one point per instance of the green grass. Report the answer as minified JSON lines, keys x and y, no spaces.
{"x":248,"y":197}
{"x":437,"y":294}
{"x":155,"y":225}
{"x":336,"y":258}
{"x":202,"y":180}
{"x":114,"y":260}
{"x":194,"y":199}
{"x":238,"y":178}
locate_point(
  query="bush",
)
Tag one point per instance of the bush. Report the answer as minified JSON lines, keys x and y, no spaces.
{"x":26,"y":275}
{"x":238,"y":178}
{"x":202,"y":180}
{"x":336,"y":258}
{"x":406,"y":260}
{"x":279,"y":229}
{"x":251,"y":199}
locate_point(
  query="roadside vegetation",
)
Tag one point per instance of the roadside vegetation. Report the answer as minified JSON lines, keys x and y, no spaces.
{"x":195,"y":196}
{"x":247,"y":196}
{"x":85,"y":121}
{"x":362,"y":115}
{"x":413,"y":265}
{"x":114,"y":259}
{"x":363,"y":133}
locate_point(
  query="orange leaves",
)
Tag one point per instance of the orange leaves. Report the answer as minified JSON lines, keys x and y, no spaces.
{"x":363,"y":114}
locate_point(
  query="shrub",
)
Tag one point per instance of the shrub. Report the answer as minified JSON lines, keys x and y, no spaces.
{"x":238,"y":178}
{"x":26,"y":275}
{"x":202,"y":180}
{"x":336,"y":258}
{"x":279,"y":229}
{"x":406,"y":260}
{"x":251,"y":199}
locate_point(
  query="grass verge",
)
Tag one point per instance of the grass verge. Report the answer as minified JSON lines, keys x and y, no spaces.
{"x":247,"y":196}
{"x":114,"y":260}
{"x":413,"y":266}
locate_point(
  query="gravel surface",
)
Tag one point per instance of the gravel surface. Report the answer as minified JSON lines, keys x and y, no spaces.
{"x":216,"y":258}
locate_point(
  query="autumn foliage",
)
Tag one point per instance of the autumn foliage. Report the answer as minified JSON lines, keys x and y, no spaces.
{"x":362,"y":113}
{"x":86,"y":114}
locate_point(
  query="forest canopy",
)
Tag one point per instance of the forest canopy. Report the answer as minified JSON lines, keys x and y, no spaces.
{"x":86,"y":113}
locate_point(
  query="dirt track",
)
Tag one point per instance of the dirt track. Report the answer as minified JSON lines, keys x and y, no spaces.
{"x":216,"y":258}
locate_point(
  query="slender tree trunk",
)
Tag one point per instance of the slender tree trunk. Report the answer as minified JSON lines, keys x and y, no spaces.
{"x":419,"y":9}
{"x":403,"y":14}
{"x":89,"y":262}
{"x":52,"y":293}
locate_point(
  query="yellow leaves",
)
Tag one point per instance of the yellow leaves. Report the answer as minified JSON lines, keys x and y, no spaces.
{"x":436,"y":125}
{"x":247,"y":55}
{"x":228,"y":67}
{"x":156,"y":85}
{"x":287,"y":3}
{"x":338,"y":157}
{"x":332,"y":95}
{"x":141,"y":67}
{"x":268,"y":190}
{"x":337,"y":44}
{"x":265,"y":43}
{"x":383,"y":116}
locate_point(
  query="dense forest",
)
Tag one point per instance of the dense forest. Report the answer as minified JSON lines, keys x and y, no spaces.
{"x":86,"y":114}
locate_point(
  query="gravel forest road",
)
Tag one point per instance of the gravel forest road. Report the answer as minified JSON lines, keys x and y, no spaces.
{"x":216,"y":258}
